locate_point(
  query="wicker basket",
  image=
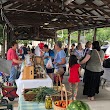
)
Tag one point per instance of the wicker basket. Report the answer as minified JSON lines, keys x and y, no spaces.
{"x":56,"y":97}
{"x":62,"y":99}
{"x":29,"y":97}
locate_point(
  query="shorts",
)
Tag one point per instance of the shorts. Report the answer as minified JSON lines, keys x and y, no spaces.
{"x":49,"y":70}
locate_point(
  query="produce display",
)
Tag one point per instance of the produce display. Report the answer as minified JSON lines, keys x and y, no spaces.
{"x":62,"y":103}
{"x":41,"y":92}
{"x":78,"y":105}
{"x":39,"y":72}
{"x":48,"y":102}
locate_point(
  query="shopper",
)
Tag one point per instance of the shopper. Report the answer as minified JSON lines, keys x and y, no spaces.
{"x":88,"y":47}
{"x":46,"y":57}
{"x":93,"y":70}
{"x":74,"y":74}
{"x":79,"y":51}
{"x":72,"y":50}
{"x":60,"y":57}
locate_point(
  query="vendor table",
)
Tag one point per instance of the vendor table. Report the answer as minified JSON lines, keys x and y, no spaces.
{"x":35,"y":83}
{"x":26,"y":105}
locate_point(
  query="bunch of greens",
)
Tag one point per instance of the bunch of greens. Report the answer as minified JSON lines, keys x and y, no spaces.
{"x":43,"y":91}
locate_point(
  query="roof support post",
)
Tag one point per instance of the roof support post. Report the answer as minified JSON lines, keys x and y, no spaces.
{"x":79,"y":35}
{"x":55,"y":37}
{"x":8,"y":37}
{"x":95,"y":34}
{"x":69,"y":40}
{"x":52,"y":40}
{"x":3,"y":46}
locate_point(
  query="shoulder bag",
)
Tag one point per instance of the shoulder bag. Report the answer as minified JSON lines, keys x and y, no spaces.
{"x":102,"y":72}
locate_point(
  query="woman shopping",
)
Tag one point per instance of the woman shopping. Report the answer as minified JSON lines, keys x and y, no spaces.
{"x":93,"y":70}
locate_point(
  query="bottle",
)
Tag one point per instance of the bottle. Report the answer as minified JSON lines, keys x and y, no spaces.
{"x":48,"y":102}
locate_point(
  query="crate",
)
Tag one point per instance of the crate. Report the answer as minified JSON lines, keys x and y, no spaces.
{"x":28,"y":73}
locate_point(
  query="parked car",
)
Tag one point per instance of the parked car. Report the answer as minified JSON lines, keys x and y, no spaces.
{"x":106,"y":64}
{"x":106,"y":49}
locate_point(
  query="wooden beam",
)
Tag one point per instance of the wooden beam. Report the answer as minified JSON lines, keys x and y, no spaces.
{"x":50,"y":13}
{"x":6,"y":3}
{"x":100,"y":8}
{"x":85,"y":6}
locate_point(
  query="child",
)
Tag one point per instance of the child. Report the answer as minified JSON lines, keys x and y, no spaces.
{"x":74,"y":74}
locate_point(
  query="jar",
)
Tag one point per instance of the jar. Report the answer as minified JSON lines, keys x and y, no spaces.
{"x":48,"y":102}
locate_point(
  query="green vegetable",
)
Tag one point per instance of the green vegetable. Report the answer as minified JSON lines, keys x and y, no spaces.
{"x":40,"y":97}
{"x":30,"y":92}
{"x":41,"y":92}
{"x":78,"y":105}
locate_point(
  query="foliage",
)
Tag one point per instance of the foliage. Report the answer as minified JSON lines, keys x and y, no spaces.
{"x":103,"y":34}
{"x":64,"y":33}
{"x":24,"y":42}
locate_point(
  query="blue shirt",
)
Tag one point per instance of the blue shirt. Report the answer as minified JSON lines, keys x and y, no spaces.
{"x":46,"y":59}
{"x":58,"y":58}
{"x":79,"y":54}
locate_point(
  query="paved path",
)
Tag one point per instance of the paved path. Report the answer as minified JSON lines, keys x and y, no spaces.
{"x":102,"y":100}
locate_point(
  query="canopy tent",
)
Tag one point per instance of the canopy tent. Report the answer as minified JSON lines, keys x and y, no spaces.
{"x":42,"y":18}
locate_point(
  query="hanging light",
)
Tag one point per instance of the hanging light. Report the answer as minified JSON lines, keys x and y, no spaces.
{"x":46,"y":23}
{"x":55,"y":19}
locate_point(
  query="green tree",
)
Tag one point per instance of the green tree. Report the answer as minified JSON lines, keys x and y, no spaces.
{"x":24,"y":42}
{"x":103,"y":34}
{"x":63,"y":35}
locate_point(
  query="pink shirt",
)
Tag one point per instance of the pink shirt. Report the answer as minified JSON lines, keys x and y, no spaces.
{"x":11,"y":54}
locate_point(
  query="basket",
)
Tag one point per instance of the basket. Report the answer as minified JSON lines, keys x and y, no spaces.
{"x":29,"y":97}
{"x":62,"y":99}
{"x":56,"y":97}
{"x":39,"y":61}
{"x":58,"y":88}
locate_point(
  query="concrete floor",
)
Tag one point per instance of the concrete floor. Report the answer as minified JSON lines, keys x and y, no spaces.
{"x":102,"y":100}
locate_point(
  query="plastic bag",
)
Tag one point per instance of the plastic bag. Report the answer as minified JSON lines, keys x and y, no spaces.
{"x":27,"y":60}
{"x":49,"y":64}
{"x":37,"y":51}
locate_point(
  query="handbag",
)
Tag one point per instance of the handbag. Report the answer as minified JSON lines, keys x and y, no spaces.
{"x":102,"y":72}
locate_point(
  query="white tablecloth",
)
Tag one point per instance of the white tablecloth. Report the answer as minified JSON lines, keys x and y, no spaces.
{"x":35,"y":83}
